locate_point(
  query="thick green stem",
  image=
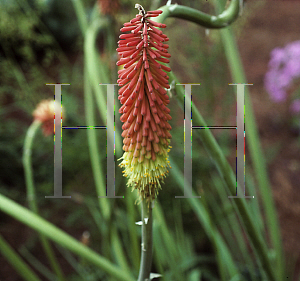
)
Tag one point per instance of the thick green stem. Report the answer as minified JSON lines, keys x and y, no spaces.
{"x":27,"y":164}
{"x":31,"y":197}
{"x":93,"y":148}
{"x":222,"y":20}
{"x":81,"y":15}
{"x":146,"y":246}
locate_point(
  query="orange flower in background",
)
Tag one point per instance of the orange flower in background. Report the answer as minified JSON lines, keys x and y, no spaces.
{"x":44,"y":113}
{"x":144,"y":100}
{"x":108,"y":7}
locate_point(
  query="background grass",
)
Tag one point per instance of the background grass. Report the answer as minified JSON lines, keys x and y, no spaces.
{"x":202,"y":239}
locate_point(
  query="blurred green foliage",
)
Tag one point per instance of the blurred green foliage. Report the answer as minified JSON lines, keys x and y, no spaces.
{"x":41,"y":42}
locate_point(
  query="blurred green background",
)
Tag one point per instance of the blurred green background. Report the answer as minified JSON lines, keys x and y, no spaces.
{"x":43,"y":42}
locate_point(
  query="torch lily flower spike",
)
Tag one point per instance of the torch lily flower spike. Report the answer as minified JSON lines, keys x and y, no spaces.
{"x":144,"y":100}
{"x":44,"y":113}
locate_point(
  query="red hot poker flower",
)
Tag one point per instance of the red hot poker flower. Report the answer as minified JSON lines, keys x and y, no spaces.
{"x":44,"y":113}
{"x":144,"y":100}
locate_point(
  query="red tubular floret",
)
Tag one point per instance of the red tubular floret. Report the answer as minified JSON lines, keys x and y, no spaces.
{"x":133,"y":43}
{"x":127,"y":53}
{"x":124,"y":36}
{"x":146,"y":64}
{"x":138,"y":64}
{"x":156,"y":24}
{"x":139,"y":45}
{"x":141,"y":92}
{"x":149,"y":86}
{"x":155,"y":30}
{"x":163,"y":54}
{"x":155,"y":45}
{"x":131,"y":61}
{"x":135,"y":54}
{"x":163,"y":60}
{"x":151,"y":15}
{"x":156,"y":12}
{"x":128,"y":24}
{"x":128,"y":40}
{"x":127,"y":69}
{"x":156,"y":37}
{"x":122,"y":49}
{"x":157,"y":71}
{"x":123,"y":61}
{"x":137,"y":28}
{"x":152,"y":54}
{"x":137,"y":18}
{"x":127,"y":28}
{"x":166,"y":68}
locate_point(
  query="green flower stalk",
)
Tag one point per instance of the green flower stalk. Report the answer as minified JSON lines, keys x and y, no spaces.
{"x":144,"y":100}
{"x":43,"y":116}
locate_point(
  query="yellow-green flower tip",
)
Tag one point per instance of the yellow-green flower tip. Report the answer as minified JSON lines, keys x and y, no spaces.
{"x":146,"y":177}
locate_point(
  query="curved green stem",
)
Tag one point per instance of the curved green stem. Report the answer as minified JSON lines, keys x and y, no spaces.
{"x":60,"y":237}
{"x":95,"y":71}
{"x":81,"y":15}
{"x":31,"y":197}
{"x":14,"y":259}
{"x":27,"y":164}
{"x":146,"y":246}
{"x":93,"y":148}
{"x":203,"y":19}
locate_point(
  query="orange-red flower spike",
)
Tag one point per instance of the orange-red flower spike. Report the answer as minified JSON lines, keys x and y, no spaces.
{"x":144,"y":103}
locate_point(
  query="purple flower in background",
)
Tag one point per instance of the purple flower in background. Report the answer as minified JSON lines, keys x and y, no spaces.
{"x":295,"y":106}
{"x":284,"y":67}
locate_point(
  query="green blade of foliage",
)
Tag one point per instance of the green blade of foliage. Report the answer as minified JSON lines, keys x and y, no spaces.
{"x":37,"y":264}
{"x":226,"y":264}
{"x":227,"y":174}
{"x":52,"y":232}
{"x":255,"y":149}
{"x":118,"y":250}
{"x":96,"y":69}
{"x":165,"y":246}
{"x":81,"y":15}
{"x":15,"y":260}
